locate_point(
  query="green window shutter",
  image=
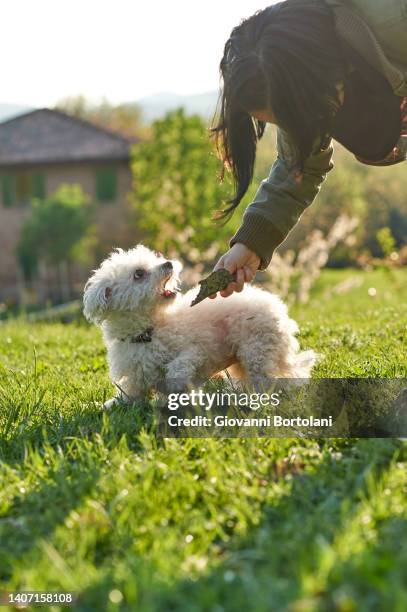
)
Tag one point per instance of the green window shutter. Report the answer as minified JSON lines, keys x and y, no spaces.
{"x":106,"y":185}
{"x":23,"y":188}
{"x":8,"y":190}
{"x":38,"y":186}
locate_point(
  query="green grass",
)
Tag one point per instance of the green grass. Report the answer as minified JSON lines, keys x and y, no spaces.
{"x":98,"y":505}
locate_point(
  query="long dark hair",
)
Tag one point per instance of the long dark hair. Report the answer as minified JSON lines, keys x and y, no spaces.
{"x":285,"y":58}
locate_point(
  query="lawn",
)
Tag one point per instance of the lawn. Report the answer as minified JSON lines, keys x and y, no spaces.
{"x":96,"y":504}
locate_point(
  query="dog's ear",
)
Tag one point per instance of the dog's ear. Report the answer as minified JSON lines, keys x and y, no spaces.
{"x":96,"y":297}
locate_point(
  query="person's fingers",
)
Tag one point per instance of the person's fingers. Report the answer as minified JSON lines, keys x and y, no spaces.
{"x":230,"y":266}
{"x":220,"y":263}
{"x":229,"y":290}
{"x":240,"y":278}
{"x":239,"y":284}
{"x":213,"y":296}
{"x":236,"y":286}
{"x":227,"y":263}
{"x":248,"y":274}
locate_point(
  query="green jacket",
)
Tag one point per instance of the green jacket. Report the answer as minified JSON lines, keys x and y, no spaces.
{"x":377,"y":29}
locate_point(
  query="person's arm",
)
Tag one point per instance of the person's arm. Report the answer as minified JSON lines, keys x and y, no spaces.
{"x":281,"y":199}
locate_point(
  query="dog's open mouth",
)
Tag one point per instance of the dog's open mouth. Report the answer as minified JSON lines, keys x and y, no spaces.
{"x":167,"y":291}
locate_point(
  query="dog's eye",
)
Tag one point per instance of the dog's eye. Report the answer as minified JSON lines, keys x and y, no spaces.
{"x":139,"y":273}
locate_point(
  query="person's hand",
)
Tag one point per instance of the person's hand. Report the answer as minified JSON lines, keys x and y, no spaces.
{"x":244,"y":262}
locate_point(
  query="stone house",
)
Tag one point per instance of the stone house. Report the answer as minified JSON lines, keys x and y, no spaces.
{"x":40,"y":151}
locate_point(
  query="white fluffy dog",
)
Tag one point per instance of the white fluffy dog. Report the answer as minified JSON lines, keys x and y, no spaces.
{"x":153,"y":336}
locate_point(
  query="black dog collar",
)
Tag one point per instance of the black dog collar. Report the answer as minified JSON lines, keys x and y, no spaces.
{"x":145,"y":336}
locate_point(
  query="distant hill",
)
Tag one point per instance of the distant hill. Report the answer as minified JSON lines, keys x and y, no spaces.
{"x":152,"y":107}
{"x":155,"y":106}
{"x":7,"y":111}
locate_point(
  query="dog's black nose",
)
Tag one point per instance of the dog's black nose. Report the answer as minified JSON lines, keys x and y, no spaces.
{"x":167,"y":265}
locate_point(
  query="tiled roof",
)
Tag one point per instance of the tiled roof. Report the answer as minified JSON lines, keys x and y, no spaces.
{"x":49,"y":136}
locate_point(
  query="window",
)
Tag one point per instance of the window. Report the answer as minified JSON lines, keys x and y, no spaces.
{"x":38,"y":186}
{"x":21,"y":188}
{"x":8,"y":190}
{"x":106,"y":185}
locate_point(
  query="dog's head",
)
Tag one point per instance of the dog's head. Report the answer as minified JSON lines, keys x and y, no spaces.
{"x":138,"y":280}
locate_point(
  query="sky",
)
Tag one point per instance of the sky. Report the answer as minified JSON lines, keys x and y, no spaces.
{"x":122,"y":50}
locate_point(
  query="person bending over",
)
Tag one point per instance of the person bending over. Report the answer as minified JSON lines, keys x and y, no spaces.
{"x":319,"y":70}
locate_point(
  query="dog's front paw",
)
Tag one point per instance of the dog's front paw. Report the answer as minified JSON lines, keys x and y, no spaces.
{"x":117,"y":401}
{"x":111,"y":403}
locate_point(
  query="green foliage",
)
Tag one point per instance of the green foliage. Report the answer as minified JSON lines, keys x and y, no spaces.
{"x":176,"y":186}
{"x":55,"y":230}
{"x":386,"y":241}
{"x":123,"y":118}
{"x":96,"y":504}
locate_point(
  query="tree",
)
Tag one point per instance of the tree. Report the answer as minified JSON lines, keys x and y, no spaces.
{"x":57,"y":232}
{"x":177,"y":189}
{"x":123,"y":118}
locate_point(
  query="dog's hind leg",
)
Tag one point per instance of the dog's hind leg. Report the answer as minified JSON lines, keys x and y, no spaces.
{"x":259,"y":364}
{"x":268,"y":355}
